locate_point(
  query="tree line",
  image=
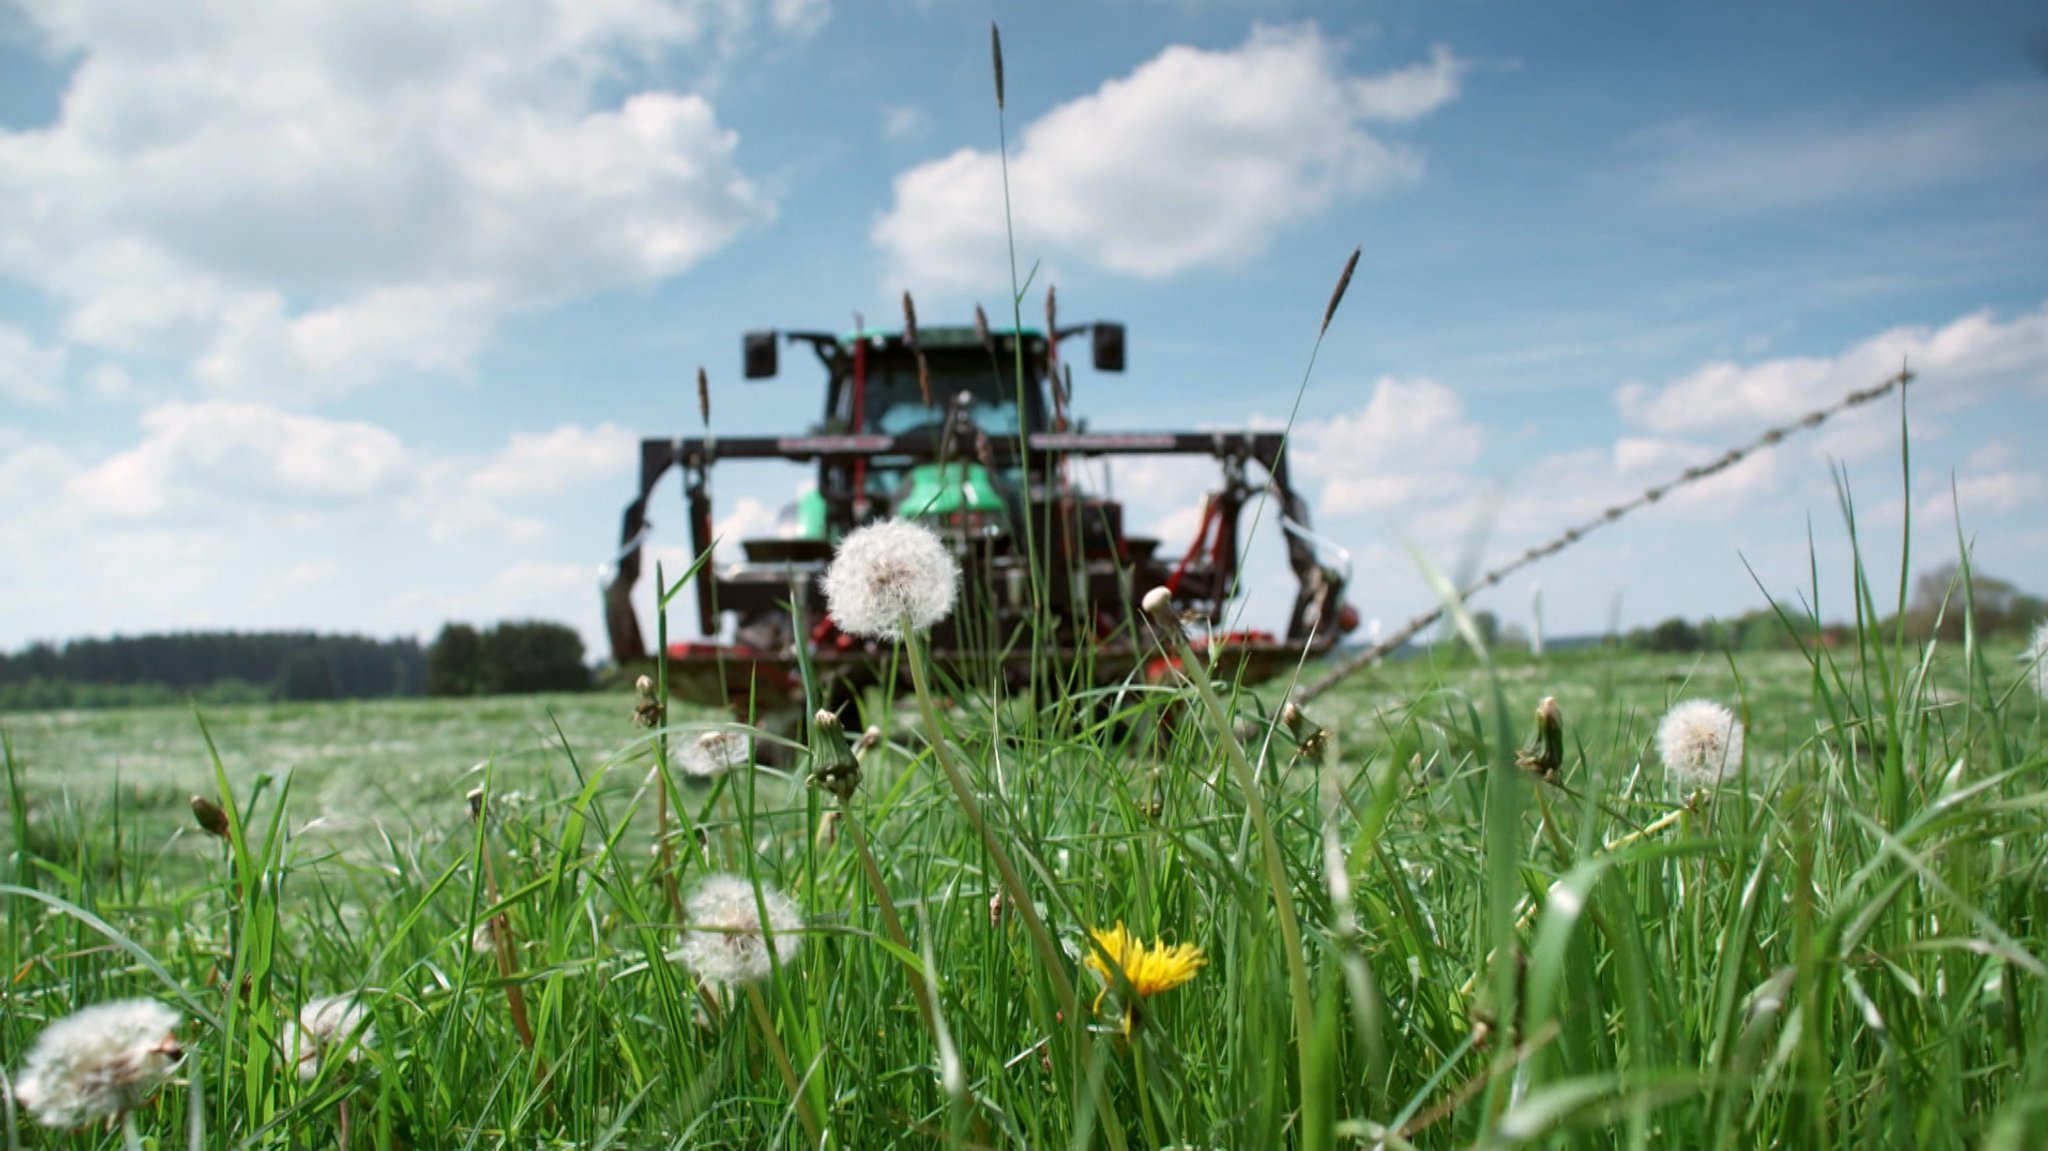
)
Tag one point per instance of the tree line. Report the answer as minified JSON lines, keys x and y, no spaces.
{"x":248,"y":667}
{"x":1941,"y":601}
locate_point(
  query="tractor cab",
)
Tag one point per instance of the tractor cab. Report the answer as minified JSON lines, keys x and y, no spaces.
{"x":944,"y":395}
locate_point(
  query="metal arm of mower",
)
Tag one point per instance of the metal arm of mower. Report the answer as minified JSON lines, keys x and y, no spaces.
{"x":1321,"y":588}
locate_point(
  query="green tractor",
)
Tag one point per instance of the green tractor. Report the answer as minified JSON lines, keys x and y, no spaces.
{"x":968,"y":430}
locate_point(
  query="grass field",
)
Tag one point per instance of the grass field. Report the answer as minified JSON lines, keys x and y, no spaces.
{"x":1406,"y":939}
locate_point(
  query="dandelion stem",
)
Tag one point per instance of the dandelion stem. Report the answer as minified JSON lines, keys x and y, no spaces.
{"x":892,"y":924}
{"x":1255,"y":807}
{"x":664,"y":844}
{"x":1049,"y":953}
{"x":782,"y":1064}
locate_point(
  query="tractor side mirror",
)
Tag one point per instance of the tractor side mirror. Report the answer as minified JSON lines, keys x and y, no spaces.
{"x":1109,"y":347}
{"x":760,"y":355}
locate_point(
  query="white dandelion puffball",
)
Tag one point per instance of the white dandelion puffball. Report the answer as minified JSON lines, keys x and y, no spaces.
{"x":2036,"y":659}
{"x":888,"y":574}
{"x":1700,"y":743}
{"x":330,"y":1026}
{"x":712,"y":754}
{"x":98,"y":1063}
{"x":726,"y":943}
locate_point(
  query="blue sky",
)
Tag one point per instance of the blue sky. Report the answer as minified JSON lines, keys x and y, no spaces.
{"x":347,"y":315}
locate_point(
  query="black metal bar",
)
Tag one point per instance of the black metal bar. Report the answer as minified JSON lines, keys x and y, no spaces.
{"x":1264,"y":447}
{"x":628,"y":644}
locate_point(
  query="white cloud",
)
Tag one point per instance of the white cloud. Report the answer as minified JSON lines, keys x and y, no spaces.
{"x":258,"y":348}
{"x":1196,"y":158}
{"x":219,"y":450}
{"x":749,"y":519}
{"x":522,"y":588}
{"x":905,"y":122}
{"x":234,"y":514}
{"x":312,"y":572}
{"x":800,"y":17}
{"x":111,"y":382}
{"x":2001,"y":491}
{"x":238,"y":465}
{"x":1825,"y":156}
{"x":532,"y":464}
{"x":1408,"y":446}
{"x":28,"y":373}
{"x":33,"y":475}
{"x":304,"y":199}
{"x":1968,"y":359}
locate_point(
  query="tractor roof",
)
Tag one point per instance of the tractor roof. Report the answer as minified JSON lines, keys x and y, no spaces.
{"x":940,"y":336}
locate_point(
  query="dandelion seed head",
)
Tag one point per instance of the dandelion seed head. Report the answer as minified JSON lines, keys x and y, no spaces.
{"x":1700,"y":743}
{"x":330,"y":1026}
{"x":726,"y":943}
{"x":99,"y":1062}
{"x":713,"y":753}
{"x":889,"y":573}
{"x":2036,"y":658}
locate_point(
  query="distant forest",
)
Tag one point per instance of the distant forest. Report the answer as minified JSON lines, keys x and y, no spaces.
{"x":254,"y":667}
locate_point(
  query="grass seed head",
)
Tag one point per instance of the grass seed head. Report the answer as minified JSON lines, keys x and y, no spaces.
{"x":99,"y":1062}
{"x":212,"y":819}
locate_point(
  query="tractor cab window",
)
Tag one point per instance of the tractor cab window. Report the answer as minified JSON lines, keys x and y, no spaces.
{"x":894,"y":404}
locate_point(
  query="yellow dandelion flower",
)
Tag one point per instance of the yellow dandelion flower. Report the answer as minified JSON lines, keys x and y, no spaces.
{"x":1149,"y":970}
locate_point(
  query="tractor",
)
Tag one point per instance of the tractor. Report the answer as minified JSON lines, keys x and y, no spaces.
{"x":967,"y":430}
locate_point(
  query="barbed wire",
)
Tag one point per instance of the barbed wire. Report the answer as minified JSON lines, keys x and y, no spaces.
{"x":1571,"y":535}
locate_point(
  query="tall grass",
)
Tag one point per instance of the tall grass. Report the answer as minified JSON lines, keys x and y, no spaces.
{"x":1841,"y":947}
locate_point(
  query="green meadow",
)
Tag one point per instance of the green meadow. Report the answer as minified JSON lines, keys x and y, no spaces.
{"x":1407,"y":939}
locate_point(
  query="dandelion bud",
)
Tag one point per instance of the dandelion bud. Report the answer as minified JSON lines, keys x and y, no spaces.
{"x":212,"y":820}
{"x":1159,"y":603}
{"x":1310,"y":737}
{"x":869,"y":740}
{"x":99,"y":1063}
{"x":1545,"y":754}
{"x":484,"y":940}
{"x":833,"y":766}
{"x":476,"y":803}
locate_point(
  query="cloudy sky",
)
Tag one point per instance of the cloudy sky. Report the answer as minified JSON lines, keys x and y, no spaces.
{"x":347,"y":315}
